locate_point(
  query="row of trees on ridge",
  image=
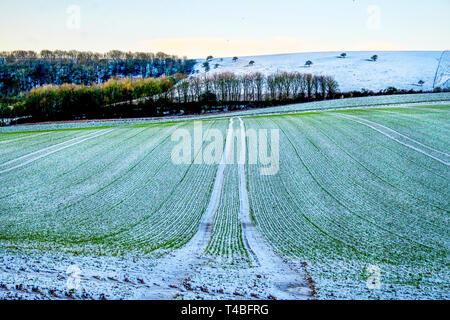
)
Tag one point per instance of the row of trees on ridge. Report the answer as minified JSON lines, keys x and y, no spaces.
{"x":228,"y":87}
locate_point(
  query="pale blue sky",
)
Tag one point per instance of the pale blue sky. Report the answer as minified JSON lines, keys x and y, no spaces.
{"x":197,"y":28}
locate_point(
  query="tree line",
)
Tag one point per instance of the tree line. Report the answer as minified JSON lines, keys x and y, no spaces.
{"x":228,"y":87}
{"x":131,"y":97}
{"x":84,"y":56}
{"x":24,"y":70}
{"x":114,"y":98}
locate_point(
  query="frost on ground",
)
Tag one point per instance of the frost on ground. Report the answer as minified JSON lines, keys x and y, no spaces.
{"x":30,"y":274}
{"x":187,"y":272}
{"x":350,"y":197}
{"x":37,"y":276}
{"x":265,"y":276}
{"x":363,"y":102}
{"x":402,"y":69}
{"x":361,"y":199}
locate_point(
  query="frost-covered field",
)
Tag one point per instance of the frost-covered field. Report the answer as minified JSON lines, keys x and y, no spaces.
{"x":356,"y":189}
{"x":401,"y":69}
{"x":352,"y":192}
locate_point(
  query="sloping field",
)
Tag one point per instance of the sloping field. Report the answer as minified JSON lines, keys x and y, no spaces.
{"x":374,"y":101}
{"x":349,"y":103}
{"x":110,"y":192}
{"x":401,"y":69}
{"x":351,"y":193}
{"x":359,"y":193}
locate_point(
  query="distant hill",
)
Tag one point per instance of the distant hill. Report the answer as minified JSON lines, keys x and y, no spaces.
{"x":402,"y":69}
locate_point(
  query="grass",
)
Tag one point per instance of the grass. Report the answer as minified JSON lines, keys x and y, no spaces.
{"x":347,"y":196}
{"x":118,"y":192}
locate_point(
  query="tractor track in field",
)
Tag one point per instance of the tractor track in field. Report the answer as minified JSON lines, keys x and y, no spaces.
{"x":23,"y":138}
{"x":378,"y":177}
{"x":65,"y":146}
{"x":373,"y":126}
{"x":176,"y":267}
{"x":46,"y":148}
{"x":179,"y":271}
{"x":288,"y":281}
{"x":412,"y":161}
{"x":430,"y":109}
{"x":74,"y":169}
{"x":343,"y":205}
{"x":120,"y":177}
{"x":403,"y":136}
{"x":283,"y":278}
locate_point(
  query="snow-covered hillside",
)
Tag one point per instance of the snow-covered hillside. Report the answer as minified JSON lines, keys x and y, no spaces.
{"x":403,"y":69}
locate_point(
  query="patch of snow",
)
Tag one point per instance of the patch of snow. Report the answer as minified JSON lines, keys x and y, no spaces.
{"x":399,"y":69}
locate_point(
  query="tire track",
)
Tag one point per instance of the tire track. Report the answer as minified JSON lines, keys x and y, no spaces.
{"x":288,"y":282}
{"x":342,"y":204}
{"x":378,"y":177}
{"x":23,"y":138}
{"x":179,"y":265}
{"x":357,"y":182}
{"x":402,"y":135}
{"x":69,"y":171}
{"x":84,"y":138}
{"x":362,"y":121}
{"x":46,"y":148}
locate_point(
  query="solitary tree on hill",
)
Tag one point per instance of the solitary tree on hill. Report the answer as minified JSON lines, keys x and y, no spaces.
{"x":308,"y":63}
{"x":206,"y":66}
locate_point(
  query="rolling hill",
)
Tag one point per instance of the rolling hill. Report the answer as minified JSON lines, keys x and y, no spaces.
{"x":400,"y":69}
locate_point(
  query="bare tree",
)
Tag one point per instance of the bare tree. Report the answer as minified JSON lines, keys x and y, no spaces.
{"x":259,"y":85}
{"x":332,"y":86}
{"x":272,"y":86}
{"x":309,"y":85}
{"x":323,"y":86}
